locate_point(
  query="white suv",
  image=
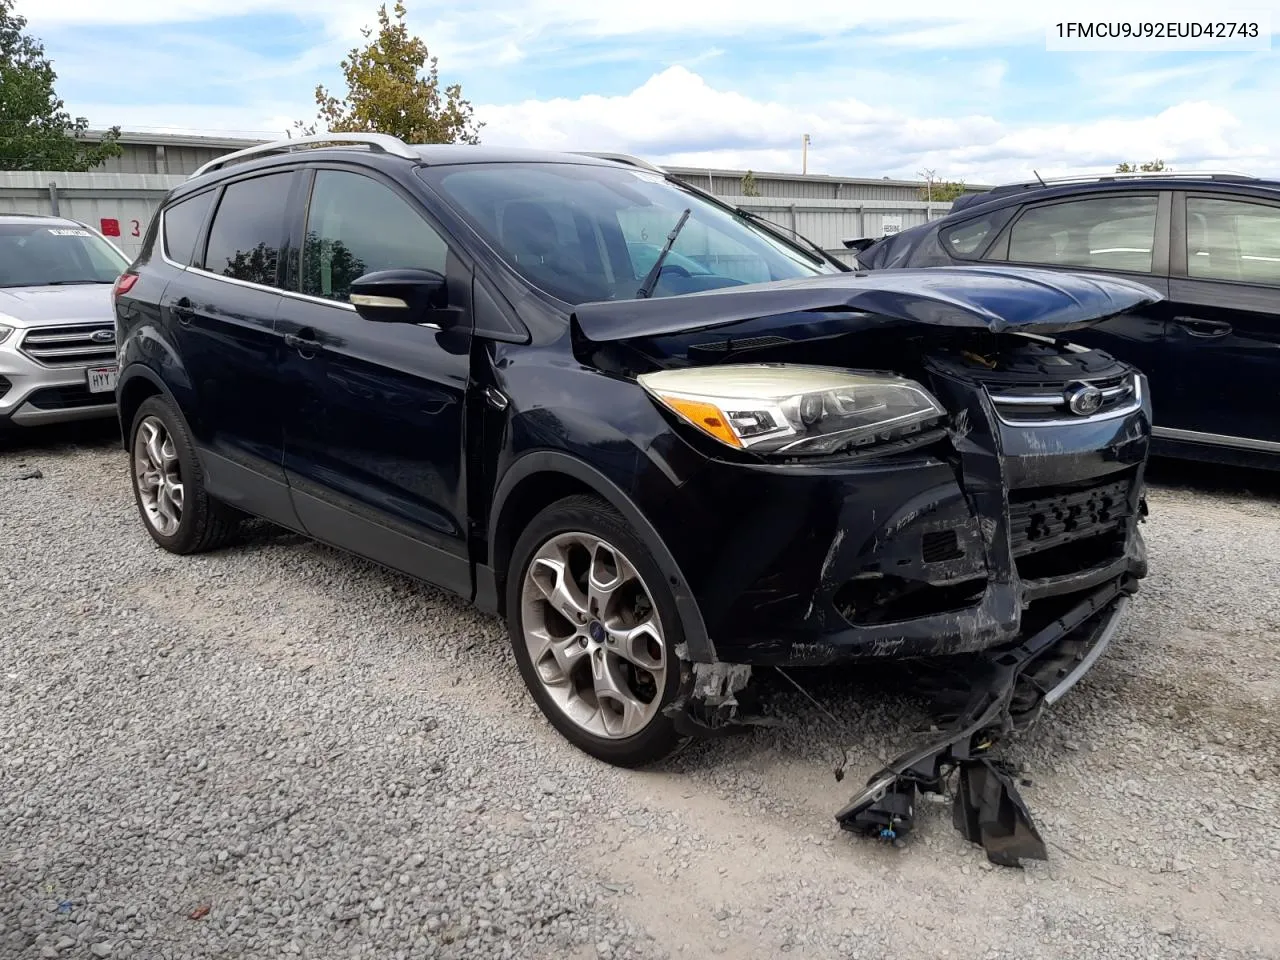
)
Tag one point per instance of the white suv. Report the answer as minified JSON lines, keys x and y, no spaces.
{"x":57,"y":321}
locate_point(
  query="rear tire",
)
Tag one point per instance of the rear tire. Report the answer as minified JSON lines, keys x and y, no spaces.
{"x":594,"y":630}
{"x":168,"y":483}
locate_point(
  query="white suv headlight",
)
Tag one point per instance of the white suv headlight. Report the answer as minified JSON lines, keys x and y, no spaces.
{"x":4,"y":332}
{"x":793,"y":409}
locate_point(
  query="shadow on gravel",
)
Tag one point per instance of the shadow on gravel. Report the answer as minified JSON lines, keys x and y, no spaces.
{"x":58,"y":438}
{"x":1196,"y":477}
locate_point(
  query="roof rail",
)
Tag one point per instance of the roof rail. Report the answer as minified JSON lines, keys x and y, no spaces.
{"x":622,"y":158}
{"x":378,"y":142}
{"x":1139,"y":175}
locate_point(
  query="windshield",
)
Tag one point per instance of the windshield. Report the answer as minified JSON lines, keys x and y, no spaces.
{"x":584,"y":233}
{"x":40,"y":254}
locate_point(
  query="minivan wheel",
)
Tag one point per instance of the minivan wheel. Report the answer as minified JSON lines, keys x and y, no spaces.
{"x":168,"y":484}
{"x":594,"y":631}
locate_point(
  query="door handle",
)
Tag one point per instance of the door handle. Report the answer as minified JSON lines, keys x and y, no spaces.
{"x":304,"y":341}
{"x":1203,"y":328}
{"x":184,"y":310}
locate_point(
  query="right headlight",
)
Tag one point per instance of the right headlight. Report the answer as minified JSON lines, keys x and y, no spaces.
{"x":792,"y":409}
{"x":4,"y":332}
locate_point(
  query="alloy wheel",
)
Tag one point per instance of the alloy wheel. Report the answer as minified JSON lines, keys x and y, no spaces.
{"x":158,"y":475}
{"x":593,"y":635}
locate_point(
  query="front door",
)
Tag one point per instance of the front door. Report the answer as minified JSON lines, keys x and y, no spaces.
{"x":1224,"y":338}
{"x":374,"y":433}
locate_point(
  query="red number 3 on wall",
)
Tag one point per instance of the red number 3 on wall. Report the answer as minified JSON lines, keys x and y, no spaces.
{"x":136,"y":226}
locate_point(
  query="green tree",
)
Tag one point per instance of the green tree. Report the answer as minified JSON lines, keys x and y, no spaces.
{"x":749,"y":188}
{"x":941,"y":191}
{"x":388,"y":92}
{"x":1151,"y":166}
{"x":36,"y":132}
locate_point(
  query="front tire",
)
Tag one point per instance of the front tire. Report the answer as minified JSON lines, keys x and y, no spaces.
{"x":168,"y":484}
{"x":594,"y":631}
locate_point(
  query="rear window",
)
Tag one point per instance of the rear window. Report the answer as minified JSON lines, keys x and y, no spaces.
{"x":968,"y":239}
{"x":248,"y":228}
{"x":182,"y":223}
{"x":41,"y":254}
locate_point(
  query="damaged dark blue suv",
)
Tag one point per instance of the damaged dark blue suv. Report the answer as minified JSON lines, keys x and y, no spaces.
{"x":666,"y":442}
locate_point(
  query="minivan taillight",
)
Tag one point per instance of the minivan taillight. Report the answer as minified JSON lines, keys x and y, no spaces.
{"x":124,"y":283}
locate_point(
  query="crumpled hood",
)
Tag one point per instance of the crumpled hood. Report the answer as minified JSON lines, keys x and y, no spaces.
{"x":36,"y":306}
{"x":995,"y":298}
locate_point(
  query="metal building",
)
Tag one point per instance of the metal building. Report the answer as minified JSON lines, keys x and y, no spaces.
{"x":165,"y":152}
{"x":120,"y":197}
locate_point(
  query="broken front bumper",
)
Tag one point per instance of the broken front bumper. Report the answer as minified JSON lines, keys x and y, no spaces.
{"x":920,"y":557}
{"x":1003,"y":692}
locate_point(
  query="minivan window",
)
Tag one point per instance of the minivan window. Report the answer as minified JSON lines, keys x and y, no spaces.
{"x":585,"y":232}
{"x":42,"y":253}
{"x":1233,"y":240}
{"x":248,"y":228}
{"x":182,"y":223}
{"x":1108,"y":233}
{"x":355,"y":226}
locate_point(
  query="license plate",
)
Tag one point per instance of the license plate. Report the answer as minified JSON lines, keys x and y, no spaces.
{"x":102,"y":379}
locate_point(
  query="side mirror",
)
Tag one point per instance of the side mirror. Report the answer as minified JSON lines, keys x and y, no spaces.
{"x":404,"y":296}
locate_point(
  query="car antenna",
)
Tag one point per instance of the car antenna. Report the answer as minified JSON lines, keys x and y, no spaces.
{"x":1038,"y":177}
{"x":651,"y":278}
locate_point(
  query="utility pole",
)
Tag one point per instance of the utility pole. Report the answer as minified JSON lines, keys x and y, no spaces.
{"x":804,"y":155}
{"x":928,"y":202}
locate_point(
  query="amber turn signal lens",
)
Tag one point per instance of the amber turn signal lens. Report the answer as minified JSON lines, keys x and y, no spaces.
{"x":704,"y":416}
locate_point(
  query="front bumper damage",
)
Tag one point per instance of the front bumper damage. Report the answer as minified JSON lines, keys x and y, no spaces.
{"x":1042,"y":615}
{"x":1007,"y":691}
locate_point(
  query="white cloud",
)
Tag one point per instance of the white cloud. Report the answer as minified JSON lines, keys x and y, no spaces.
{"x":677,"y":117}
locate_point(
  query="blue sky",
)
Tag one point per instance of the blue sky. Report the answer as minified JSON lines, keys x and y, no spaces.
{"x":971,"y":94}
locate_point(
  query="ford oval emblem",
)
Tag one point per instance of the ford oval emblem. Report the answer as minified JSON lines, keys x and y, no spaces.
{"x":1083,"y":399}
{"x":103,"y":336}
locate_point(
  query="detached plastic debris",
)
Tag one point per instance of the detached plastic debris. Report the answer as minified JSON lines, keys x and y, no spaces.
{"x":1006,"y":691}
{"x":989,"y":810}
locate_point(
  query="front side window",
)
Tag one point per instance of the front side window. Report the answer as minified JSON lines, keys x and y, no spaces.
{"x":355,"y":226}
{"x":40,"y":253}
{"x":248,"y":228}
{"x":1233,"y":240}
{"x":585,"y":232}
{"x":1107,"y":233}
{"x":182,"y":223}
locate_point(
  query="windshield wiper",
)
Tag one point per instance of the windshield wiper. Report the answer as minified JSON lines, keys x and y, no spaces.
{"x":795,"y":236}
{"x":651,"y":279}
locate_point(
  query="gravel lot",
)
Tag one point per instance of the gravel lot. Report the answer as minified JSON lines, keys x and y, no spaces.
{"x":278,"y":750}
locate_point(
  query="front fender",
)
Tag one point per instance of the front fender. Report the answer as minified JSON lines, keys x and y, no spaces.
{"x":614,"y":491}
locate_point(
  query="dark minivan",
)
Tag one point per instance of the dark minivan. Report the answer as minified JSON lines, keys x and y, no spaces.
{"x":1210,"y":243}
{"x":666,"y":442}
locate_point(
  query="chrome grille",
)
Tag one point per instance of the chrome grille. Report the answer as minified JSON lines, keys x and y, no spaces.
{"x":1045,"y":403}
{"x":72,"y":344}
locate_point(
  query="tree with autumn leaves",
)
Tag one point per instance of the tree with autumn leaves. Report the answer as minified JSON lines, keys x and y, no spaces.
{"x":393,"y":87}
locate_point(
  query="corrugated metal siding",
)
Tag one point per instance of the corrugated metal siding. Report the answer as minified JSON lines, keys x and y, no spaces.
{"x":130,"y":199}
{"x":146,"y":158}
{"x":801,"y":187}
{"x":829,"y":222}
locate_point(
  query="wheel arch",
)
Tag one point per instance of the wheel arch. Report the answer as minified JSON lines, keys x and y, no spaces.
{"x":137,"y":383}
{"x":540,"y":478}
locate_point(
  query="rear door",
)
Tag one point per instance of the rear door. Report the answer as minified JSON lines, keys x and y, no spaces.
{"x":1224,"y":338}
{"x":374,"y":438}
{"x":221,"y":312}
{"x":1124,"y":233}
